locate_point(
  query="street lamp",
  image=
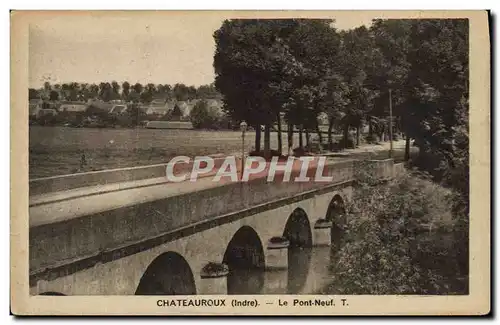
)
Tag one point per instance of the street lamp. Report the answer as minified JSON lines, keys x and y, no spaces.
{"x":243,"y":128}
{"x":390,"y":124}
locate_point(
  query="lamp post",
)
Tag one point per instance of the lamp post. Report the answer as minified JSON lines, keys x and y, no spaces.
{"x":243,"y":128}
{"x":390,"y":123}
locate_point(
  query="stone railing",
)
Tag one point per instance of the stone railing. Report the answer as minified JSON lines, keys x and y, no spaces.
{"x":46,"y":185}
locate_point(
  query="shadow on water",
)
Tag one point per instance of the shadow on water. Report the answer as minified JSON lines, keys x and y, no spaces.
{"x":299,"y":262}
{"x":245,"y":258}
{"x":259,"y":281}
{"x":245,"y":281}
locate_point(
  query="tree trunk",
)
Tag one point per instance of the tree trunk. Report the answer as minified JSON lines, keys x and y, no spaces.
{"x":280,"y":140}
{"x":407,"y":147}
{"x":320,"y":136}
{"x":330,"y":129}
{"x":358,"y":133}
{"x":290,"y":138}
{"x":346,"y":135}
{"x":307,"y":139}
{"x":267,"y":141}
{"x":301,"y":142}
{"x":257,"y":137}
{"x":370,"y":130}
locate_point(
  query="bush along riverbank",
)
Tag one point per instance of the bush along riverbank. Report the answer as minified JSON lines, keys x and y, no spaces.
{"x":402,"y":237}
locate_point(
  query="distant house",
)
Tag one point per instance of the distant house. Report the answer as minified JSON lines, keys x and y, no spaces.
{"x":105,"y":106}
{"x":35,"y":105}
{"x":72,"y":112}
{"x":73,"y":107}
{"x":184,"y":107}
{"x":158,"y":111}
{"x":158,"y":102}
{"x":47,"y":112}
{"x":118,"y":109}
{"x":158,"y":107}
{"x":215,"y":105}
{"x":117,"y":101}
{"x":170,"y":104}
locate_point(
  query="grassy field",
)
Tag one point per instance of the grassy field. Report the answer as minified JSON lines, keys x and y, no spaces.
{"x":59,"y":150}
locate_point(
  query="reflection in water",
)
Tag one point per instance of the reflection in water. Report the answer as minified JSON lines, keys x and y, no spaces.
{"x":309,"y":271}
{"x":336,"y":237}
{"x":245,"y":281}
{"x":245,"y":257}
{"x":299,"y":260}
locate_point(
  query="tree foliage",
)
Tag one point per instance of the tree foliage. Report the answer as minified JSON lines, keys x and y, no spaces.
{"x":401,"y":238}
{"x":204,"y":117}
{"x":306,"y":69}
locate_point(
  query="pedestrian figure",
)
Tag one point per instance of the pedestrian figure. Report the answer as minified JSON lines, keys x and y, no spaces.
{"x":83,"y":161}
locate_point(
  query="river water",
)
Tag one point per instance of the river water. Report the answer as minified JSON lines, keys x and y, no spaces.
{"x":309,"y":270}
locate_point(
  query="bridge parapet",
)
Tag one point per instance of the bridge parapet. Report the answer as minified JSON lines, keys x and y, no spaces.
{"x":45,"y":185}
{"x":380,"y":170}
{"x":130,"y":226}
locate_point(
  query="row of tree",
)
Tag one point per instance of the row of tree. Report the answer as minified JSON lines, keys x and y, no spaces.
{"x":305,"y":67}
{"x":106,"y":91}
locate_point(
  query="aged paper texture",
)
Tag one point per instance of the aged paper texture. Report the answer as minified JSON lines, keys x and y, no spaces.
{"x":250,"y":163}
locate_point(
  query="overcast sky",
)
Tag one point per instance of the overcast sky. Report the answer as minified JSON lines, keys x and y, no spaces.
{"x":152,"y":48}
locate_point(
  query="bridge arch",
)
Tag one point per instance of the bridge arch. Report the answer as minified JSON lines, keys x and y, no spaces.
{"x":298,"y":229}
{"x":245,"y":258}
{"x":244,"y":250}
{"x":298,"y":232}
{"x":336,"y":213}
{"x":168,"y":274}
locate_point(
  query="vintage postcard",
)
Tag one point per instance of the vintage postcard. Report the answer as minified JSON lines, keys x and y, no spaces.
{"x":250,"y":163}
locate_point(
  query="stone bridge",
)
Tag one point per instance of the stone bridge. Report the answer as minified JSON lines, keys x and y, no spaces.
{"x":128,"y":231}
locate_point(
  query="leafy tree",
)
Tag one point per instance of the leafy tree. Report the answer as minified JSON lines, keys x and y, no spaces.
{"x":206,"y":92}
{"x":146,"y":96}
{"x":151,"y":88}
{"x":437,"y":103}
{"x":354,"y":59}
{"x":65,"y":91}
{"x":389,"y":70}
{"x":202,"y":117}
{"x":138,"y":88}
{"x":134,"y":96}
{"x":33,"y":93}
{"x":181,"y":92}
{"x":125,"y":90}
{"x":54,"y":95}
{"x":315,"y":44}
{"x":105,"y":91}
{"x":47,"y":87}
{"x":191,"y":92}
{"x":160,"y":90}
{"x":84,"y":92}
{"x":254,"y":67}
{"x":165,"y":91}
{"x":73,"y":91}
{"x":94,"y":90}
{"x":336,"y":99}
{"x":385,"y":250}
{"x":116,"y":89}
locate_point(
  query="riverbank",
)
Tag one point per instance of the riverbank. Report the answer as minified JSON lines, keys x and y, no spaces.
{"x":402,"y":238}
